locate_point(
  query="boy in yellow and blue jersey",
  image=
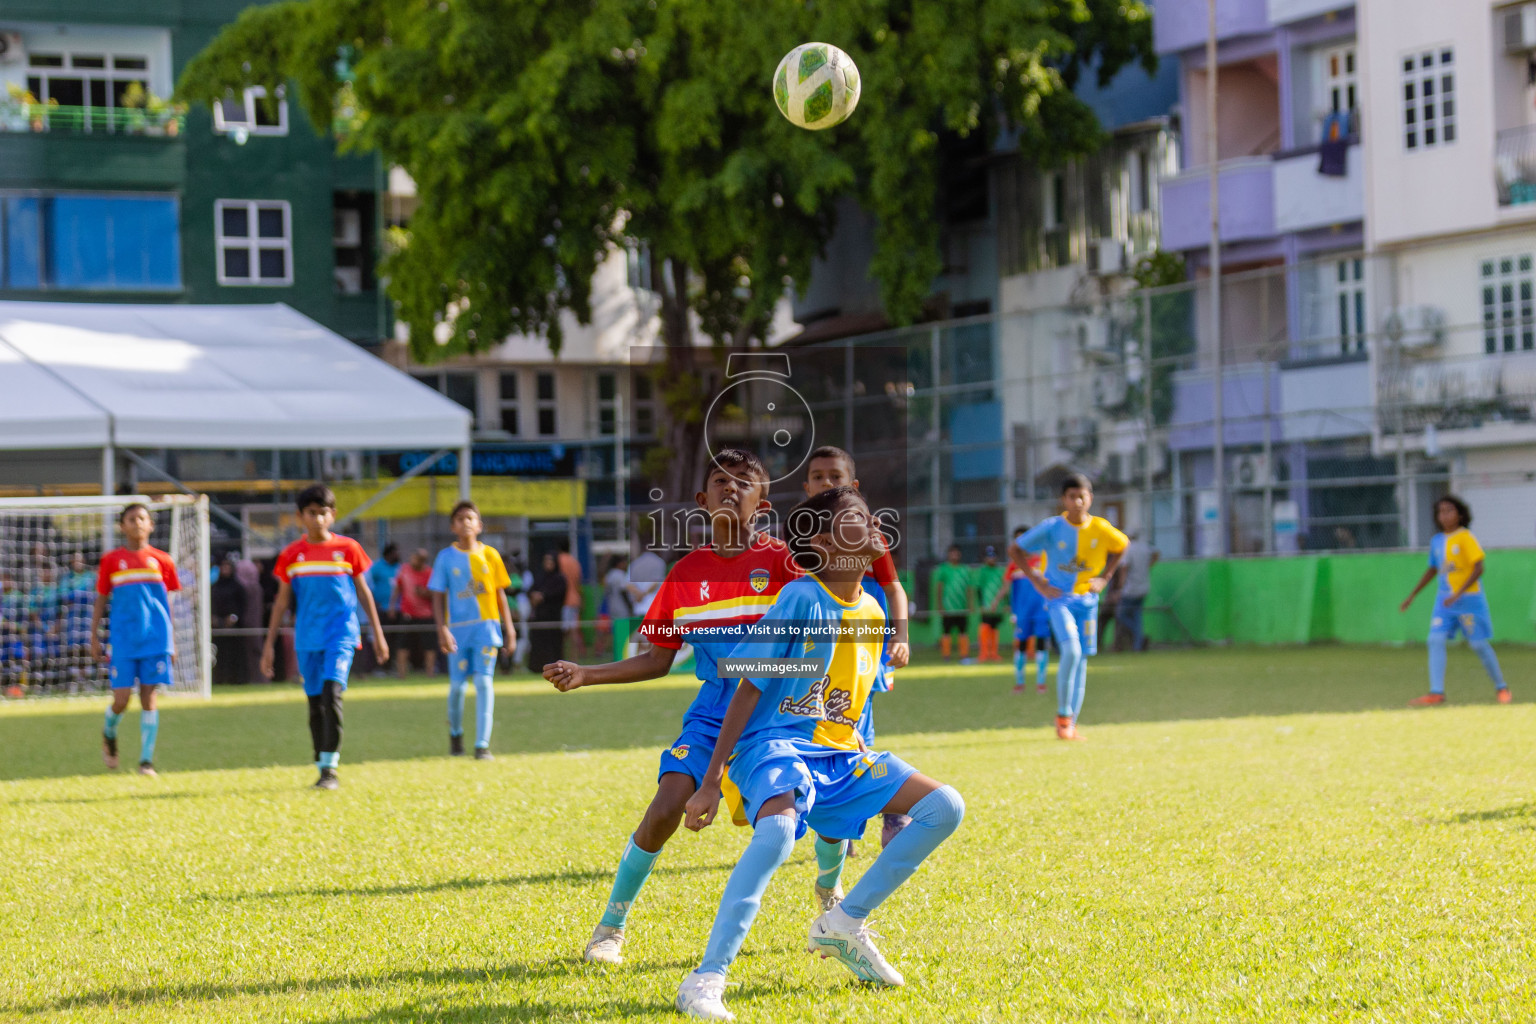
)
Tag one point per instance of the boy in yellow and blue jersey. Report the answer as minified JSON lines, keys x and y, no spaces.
{"x":469,"y":585}
{"x":790,"y":735}
{"x":1456,"y":558}
{"x":1081,"y":553}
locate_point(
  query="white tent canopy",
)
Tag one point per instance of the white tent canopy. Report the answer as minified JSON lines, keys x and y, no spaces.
{"x":98,"y":375}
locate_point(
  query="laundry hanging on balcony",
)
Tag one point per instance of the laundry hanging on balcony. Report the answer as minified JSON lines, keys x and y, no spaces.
{"x":1333,"y":151}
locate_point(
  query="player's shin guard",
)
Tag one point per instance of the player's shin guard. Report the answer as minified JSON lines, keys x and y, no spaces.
{"x":830,"y":854}
{"x":934,"y":818}
{"x":634,"y":868}
{"x":1484,"y":651}
{"x":149,"y":731}
{"x":944,"y":644}
{"x":1436,"y":663}
{"x":109,"y":725}
{"x":772,"y":840}
{"x":1018,"y":668}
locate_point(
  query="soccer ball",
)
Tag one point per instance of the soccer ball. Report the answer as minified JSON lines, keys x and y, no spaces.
{"x":816,"y":86}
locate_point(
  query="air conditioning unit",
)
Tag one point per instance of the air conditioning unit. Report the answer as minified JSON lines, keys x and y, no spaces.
{"x":1111,"y":390}
{"x":1415,"y":326}
{"x":1106,"y":256}
{"x":1520,"y":29}
{"x":1246,"y":472}
{"x":12,"y":51}
{"x":1093,"y":338}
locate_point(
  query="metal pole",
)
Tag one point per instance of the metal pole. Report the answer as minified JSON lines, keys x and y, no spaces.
{"x":1151,"y":424}
{"x":108,"y":485}
{"x":1213,"y":156}
{"x":204,"y":599}
{"x":466,"y":471}
{"x":620,"y":467}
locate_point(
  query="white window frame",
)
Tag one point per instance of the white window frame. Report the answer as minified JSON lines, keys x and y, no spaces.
{"x":252,"y":243}
{"x":252,"y":94}
{"x":1424,"y":109}
{"x":1507,"y":286}
{"x":1341,"y":88}
{"x":1348,"y":311}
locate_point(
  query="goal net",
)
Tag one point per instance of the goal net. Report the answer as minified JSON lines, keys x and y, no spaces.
{"x":50,"y":551}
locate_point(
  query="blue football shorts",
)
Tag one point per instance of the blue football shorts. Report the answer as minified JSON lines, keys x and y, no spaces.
{"x":152,"y":671}
{"x":330,"y":664}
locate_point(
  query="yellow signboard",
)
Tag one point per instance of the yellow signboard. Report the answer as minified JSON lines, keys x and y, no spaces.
{"x":496,"y":496}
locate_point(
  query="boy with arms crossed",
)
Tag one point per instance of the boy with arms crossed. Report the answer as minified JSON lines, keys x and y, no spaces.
{"x":1081,"y":553}
{"x":137,"y":579}
{"x":796,"y":759}
{"x":328,"y":573}
{"x":718,"y":588}
{"x":469,"y":606}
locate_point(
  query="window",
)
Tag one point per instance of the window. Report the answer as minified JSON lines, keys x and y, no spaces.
{"x":459,"y":387}
{"x":1053,"y":196}
{"x":546,"y":410}
{"x":1509,"y":320}
{"x":637,"y":267}
{"x":643,"y":423}
{"x":98,"y":81}
{"x":1340,"y":81}
{"x":249,"y":114}
{"x":607,"y":404}
{"x":255,"y":242}
{"x":1429,"y":99}
{"x":508,"y":392}
{"x":1349,"y":304}
{"x":90,"y":242}
{"x":352,"y":241}
{"x":1138,"y":183}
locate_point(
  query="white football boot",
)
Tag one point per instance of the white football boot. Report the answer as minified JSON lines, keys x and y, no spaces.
{"x":606,"y":946}
{"x":703,"y":996}
{"x":847,"y":940}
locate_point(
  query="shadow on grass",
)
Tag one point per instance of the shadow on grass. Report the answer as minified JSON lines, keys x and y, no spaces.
{"x":1156,"y":687}
{"x":127,"y":996}
{"x":451,"y":885}
{"x":1525,"y":813}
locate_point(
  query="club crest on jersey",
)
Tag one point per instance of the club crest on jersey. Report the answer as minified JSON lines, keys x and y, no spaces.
{"x":680,"y":752}
{"x":866,"y":663}
{"x":759,"y":580}
{"x":338,"y":556}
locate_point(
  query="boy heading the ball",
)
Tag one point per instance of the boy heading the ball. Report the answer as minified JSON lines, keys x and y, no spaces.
{"x":136,"y":580}
{"x":328,"y":574}
{"x":795,"y":755}
{"x":706,"y":600}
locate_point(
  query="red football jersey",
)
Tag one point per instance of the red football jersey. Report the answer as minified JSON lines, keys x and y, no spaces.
{"x":705,"y":589}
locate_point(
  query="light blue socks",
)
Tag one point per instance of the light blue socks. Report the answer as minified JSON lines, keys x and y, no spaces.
{"x":329,"y":759}
{"x":1484,"y":651}
{"x":485,"y":709}
{"x":1436,"y":663}
{"x":772,"y":840}
{"x":634,"y":868}
{"x":830,"y":854}
{"x":934,"y":818}
{"x":1042,"y":660}
{"x":149,"y":730}
{"x":109,"y":727}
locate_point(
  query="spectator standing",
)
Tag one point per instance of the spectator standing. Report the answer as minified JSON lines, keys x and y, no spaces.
{"x":570,"y":616}
{"x":989,"y":579}
{"x":249,"y":575}
{"x":227,"y":601}
{"x":1136,"y":571}
{"x":381,"y":584}
{"x":546,"y":631}
{"x":616,"y":594}
{"x":952,"y":598}
{"x":645,"y":575}
{"x":413,"y":601}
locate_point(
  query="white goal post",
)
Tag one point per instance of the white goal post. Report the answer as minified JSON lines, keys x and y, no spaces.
{"x":50,"y":551}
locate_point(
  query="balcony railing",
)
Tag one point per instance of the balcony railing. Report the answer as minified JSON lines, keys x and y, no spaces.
{"x":47,"y":117}
{"x":1514,"y":162}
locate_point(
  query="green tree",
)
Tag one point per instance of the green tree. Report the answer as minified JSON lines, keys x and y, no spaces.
{"x":540,"y":133}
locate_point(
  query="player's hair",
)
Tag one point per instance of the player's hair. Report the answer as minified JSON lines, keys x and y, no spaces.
{"x":739,"y":463}
{"x":316,"y":494}
{"x":831,"y":451}
{"x":1463,"y":510}
{"x":812,"y":518}
{"x":1019,"y":531}
{"x":460,"y":507}
{"x":391,"y":550}
{"x":1077,"y":480}
{"x":130,"y":507}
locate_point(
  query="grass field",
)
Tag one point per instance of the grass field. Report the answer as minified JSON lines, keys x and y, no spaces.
{"x":1253,"y":835}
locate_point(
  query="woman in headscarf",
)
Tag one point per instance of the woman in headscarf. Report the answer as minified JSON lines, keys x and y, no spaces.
{"x":547,"y":597}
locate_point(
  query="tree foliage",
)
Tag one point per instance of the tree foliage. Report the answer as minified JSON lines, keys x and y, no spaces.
{"x":540,"y":133}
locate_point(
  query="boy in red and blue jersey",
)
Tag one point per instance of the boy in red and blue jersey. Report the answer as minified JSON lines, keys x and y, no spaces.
{"x":136,"y":580}
{"x":325,"y":571}
{"x":707,"y":600}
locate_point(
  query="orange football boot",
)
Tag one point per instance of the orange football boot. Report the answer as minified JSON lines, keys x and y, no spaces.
{"x":1066,"y":729}
{"x":1502,"y":695}
{"x":1429,"y":700}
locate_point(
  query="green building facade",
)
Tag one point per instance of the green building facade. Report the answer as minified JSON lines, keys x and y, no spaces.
{"x":109,"y":194}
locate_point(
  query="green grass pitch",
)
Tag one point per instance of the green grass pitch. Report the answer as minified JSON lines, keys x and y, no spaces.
{"x":1247,"y":835}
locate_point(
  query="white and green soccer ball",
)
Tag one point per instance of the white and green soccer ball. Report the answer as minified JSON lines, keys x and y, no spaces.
{"x":816,"y":86}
